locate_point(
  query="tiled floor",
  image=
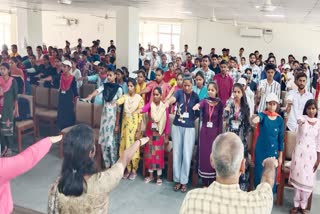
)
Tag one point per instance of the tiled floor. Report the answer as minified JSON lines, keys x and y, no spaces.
{"x":31,"y":189}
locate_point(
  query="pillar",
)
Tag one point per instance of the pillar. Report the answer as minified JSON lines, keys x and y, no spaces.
{"x":28,"y":29}
{"x":127,"y":38}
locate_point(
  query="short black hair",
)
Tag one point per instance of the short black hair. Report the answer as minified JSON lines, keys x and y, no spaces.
{"x":248,"y":69}
{"x":223,"y":62}
{"x":159,"y":69}
{"x":300,"y":75}
{"x":215,"y":55}
{"x":270,"y":67}
{"x":206,"y":56}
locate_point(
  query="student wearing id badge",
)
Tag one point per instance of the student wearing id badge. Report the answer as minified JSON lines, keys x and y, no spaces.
{"x":183,"y":133}
{"x":237,"y":114}
{"x":68,"y":93}
{"x":212,"y":111}
{"x":158,"y":130}
{"x":270,"y":137}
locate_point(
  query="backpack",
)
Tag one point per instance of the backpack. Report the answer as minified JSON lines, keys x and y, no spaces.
{"x":24,"y":109}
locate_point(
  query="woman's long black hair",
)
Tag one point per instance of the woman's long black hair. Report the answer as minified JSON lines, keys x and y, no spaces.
{"x":244,"y":107}
{"x":77,"y":144}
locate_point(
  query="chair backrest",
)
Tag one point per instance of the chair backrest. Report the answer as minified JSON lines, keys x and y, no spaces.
{"x":290,"y":143}
{"x":30,"y":101}
{"x":42,"y":97}
{"x":54,"y":98}
{"x":84,"y":113}
{"x":87,"y":89}
{"x":97,"y":112}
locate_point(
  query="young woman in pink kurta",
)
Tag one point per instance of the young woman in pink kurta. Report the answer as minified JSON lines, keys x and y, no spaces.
{"x":305,"y":157}
{"x":14,"y":166}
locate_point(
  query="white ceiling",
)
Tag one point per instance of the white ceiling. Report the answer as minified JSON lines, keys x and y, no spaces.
{"x":295,"y":11}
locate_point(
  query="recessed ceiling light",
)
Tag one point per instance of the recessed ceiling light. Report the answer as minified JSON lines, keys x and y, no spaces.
{"x":68,"y":2}
{"x":257,"y":6}
{"x":184,"y":12}
{"x":275,"y":15}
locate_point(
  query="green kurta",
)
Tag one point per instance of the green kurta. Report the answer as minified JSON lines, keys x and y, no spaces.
{"x":7,"y":119}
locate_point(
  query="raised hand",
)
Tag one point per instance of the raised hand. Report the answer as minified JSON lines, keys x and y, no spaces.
{"x":55,"y":139}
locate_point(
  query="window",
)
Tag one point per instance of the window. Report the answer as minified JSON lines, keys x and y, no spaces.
{"x":154,"y":33}
{"x":169,"y":35}
{"x":4,"y":29}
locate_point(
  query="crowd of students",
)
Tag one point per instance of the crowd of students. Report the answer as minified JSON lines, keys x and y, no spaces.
{"x":223,"y":91}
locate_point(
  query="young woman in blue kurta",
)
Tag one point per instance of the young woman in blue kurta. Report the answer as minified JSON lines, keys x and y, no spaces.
{"x":270,"y":137}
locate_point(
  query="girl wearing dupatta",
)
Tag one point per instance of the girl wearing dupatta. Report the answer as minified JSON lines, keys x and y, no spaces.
{"x":158,"y":129}
{"x":270,"y":134}
{"x":305,"y":156}
{"x":131,"y":122}
{"x":67,"y":94}
{"x":109,"y":126}
{"x":237,"y":114}
{"x":212,"y":122}
{"x":8,"y":108}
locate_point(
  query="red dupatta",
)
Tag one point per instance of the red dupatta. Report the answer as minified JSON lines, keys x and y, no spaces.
{"x":65,"y":82}
{"x":255,"y":138}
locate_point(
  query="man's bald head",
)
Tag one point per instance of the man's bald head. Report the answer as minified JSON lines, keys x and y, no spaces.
{"x":227,"y":154}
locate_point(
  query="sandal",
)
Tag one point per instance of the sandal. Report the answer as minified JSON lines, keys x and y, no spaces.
{"x":304,"y":211}
{"x":184,"y":188}
{"x":148,"y":180}
{"x":132,"y":176}
{"x":126,"y":175}
{"x":159,"y":181}
{"x":294,"y":210}
{"x":177,"y":187}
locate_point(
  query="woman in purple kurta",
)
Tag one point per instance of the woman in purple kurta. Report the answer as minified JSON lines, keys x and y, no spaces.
{"x":212,"y":111}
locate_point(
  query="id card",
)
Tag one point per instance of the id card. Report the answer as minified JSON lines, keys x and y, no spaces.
{"x":63,"y":92}
{"x":154,"y":126}
{"x":235,"y":124}
{"x":185,"y":115}
{"x":209,"y":124}
{"x":28,"y":79}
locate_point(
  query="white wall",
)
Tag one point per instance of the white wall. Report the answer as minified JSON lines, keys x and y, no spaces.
{"x":89,"y":28}
{"x":298,"y":40}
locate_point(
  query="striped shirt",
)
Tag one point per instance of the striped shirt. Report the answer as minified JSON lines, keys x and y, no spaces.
{"x":265,"y":88}
{"x":228,"y":199}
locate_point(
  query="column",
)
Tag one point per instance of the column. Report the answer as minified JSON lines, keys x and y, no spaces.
{"x":28,"y":29}
{"x":127,"y":38}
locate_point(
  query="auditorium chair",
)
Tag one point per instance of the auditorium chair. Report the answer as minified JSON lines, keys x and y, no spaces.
{"x":86,"y":89}
{"x":97,"y":112}
{"x":26,"y":127}
{"x":84,"y":114}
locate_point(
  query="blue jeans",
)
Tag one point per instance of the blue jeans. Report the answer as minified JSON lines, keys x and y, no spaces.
{"x":183,"y":140}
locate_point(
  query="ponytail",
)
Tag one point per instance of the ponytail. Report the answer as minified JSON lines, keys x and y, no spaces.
{"x":78,"y":144}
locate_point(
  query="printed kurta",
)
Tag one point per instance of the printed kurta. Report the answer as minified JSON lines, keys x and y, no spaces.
{"x":107,"y":138}
{"x":236,"y":124}
{"x":304,"y":156}
{"x":154,"y":149}
{"x":130,"y":122}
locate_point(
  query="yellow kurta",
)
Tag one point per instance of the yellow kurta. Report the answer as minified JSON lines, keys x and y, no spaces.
{"x":130,"y":122}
